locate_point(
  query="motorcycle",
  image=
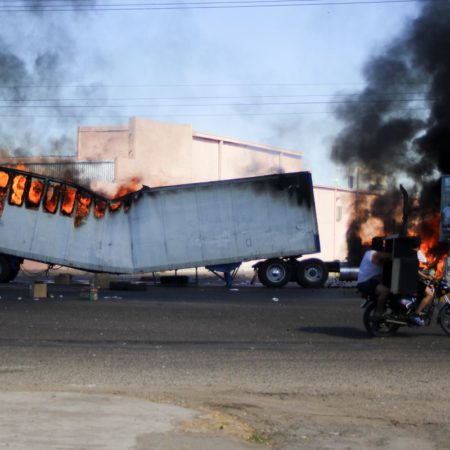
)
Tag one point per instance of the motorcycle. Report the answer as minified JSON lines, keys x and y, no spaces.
{"x":399,"y":311}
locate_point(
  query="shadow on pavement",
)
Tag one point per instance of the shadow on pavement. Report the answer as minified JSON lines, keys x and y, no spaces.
{"x":346,"y":332}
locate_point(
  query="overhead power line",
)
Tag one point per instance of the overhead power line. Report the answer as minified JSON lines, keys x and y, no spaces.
{"x":67,"y":6}
{"x":186,"y":115}
{"x":388,"y":96}
{"x":172,"y":85}
{"x":259,"y":104}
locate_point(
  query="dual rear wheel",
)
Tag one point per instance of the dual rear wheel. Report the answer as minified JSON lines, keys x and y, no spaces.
{"x":278,"y":272}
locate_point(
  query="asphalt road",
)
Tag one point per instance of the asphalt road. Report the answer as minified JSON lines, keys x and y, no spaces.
{"x":287,"y":368}
{"x":197,"y":314}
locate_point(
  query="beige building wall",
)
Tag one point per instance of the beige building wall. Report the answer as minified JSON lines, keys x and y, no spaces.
{"x":97,"y":143}
{"x":334,"y":212}
{"x":163,"y":153}
{"x":206,"y":153}
{"x":218,"y":158}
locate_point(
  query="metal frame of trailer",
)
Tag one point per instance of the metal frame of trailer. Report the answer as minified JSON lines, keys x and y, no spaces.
{"x":207,"y":224}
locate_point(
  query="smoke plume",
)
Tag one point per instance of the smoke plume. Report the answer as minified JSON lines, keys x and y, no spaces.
{"x":398,"y":127}
{"x":37,"y":57}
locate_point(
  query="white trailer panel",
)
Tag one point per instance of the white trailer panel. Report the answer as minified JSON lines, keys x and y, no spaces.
{"x":166,"y":228}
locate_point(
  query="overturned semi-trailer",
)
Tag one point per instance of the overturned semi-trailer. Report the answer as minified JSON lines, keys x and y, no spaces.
{"x":270,"y":218}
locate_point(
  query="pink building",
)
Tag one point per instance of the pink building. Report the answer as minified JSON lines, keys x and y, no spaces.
{"x":165,"y":154}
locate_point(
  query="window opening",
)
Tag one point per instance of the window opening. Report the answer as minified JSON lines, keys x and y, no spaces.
{"x":68,"y":200}
{"x":34,"y":194}
{"x":16,"y":195}
{"x":99,"y":208}
{"x":4,"y":181}
{"x":114,"y":205}
{"x":52,"y":197}
{"x":83,"y":208}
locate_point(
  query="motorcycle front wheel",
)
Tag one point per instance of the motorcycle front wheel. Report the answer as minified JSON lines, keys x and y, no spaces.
{"x":376,"y":326}
{"x":444,"y":318}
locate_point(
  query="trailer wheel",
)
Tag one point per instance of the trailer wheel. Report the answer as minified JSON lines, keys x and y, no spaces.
{"x":5,"y":270}
{"x":312,"y":273}
{"x":274,"y":273}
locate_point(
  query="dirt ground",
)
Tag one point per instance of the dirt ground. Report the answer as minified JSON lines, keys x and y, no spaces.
{"x":271,"y":420}
{"x":393,"y":420}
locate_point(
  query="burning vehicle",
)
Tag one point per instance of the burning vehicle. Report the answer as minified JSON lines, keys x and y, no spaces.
{"x":396,"y":127}
{"x":270,"y":218}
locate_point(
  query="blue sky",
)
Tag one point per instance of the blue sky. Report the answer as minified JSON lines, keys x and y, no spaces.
{"x":265,"y":75}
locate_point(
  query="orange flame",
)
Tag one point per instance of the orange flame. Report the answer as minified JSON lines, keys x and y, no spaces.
{"x":17,"y":190}
{"x":83,"y":208}
{"x":114,"y":205}
{"x":18,"y":186}
{"x":132,"y":186}
{"x":99,"y":208}
{"x":72,"y":200}
{"x":431,"y":247}
{"x":68,"y":202}
{"x":4,"y":179}
{"x":52,"y":197}
{"x":35,"y":192}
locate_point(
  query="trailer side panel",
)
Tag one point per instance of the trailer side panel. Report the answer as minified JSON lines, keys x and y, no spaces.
{"x":173,"y":227}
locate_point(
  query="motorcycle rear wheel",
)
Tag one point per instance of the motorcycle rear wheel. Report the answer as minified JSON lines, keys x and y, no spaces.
{"x":375,"y":326}
{"x":444,"y":318}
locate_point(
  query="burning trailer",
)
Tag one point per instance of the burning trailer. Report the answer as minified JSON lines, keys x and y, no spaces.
{"x":216,"y":225}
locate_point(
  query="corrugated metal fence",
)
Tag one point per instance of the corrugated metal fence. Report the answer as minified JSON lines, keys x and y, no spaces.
{"x":82,"y":171}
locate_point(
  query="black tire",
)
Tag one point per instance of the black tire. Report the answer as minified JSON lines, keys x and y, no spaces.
{"x":377,"y":327}
{"x":274,"y":273}
{"x":174,"y":279}
{"x":5,"y":270}
{"x":444,"y":318}
{"x":312,"y":273}
{"x":13,"y":274}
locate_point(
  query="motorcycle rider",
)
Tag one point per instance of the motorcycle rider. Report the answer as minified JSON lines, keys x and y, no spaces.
{"x":424,"y":290}
{"x":370,"y":272}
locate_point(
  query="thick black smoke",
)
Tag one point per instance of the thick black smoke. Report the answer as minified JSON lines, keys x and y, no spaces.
{"x":399,"y":125}
{"x":37,"y":57}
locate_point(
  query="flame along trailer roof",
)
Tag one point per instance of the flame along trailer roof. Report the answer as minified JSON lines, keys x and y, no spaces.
{"x":155,"y":229}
